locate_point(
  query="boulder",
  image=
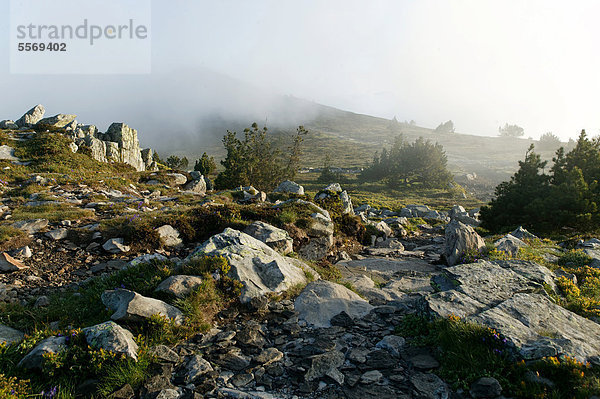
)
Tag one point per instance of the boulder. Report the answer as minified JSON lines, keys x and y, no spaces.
{"x":9,"y":335}
{"x":7,"y":153}
{"x":147,"y":157}
{"x":194,"y":368}
{"x":320,"y":301}
{"x":346,"y":203}
{"x":485,"y":387}
{"x":147,"y":258}
{"x":112,"y":338}
{"x":176,"y":179}
{"x":115,"y":246}
{"x":180,"y":285}
{"x":521,"y":234}
{"x":131,"y":306}
{"x":56,"y":121}
{"x":460,"y":239}
{"x":35,"y":358}
{"x":274,"y":237}
{"x":326,"y":365}
{"x":509,"y":245}
{"x":10,"y":264}
{"x":169,"y":236}
{"x":198,"y":186}
{"x":289,"y":187}
{"x":31,"y":117}
{"x":31,"y":226}
{"x":456,"y":211}
{"x":259,"y":268}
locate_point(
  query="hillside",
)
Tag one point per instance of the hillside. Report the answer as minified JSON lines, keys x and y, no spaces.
{"x":125,"y":283}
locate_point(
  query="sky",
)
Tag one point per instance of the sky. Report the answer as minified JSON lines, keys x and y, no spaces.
{"x":479,"y":63}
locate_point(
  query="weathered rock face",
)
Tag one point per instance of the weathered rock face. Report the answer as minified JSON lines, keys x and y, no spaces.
{"x":56,"y":121}
{"x":289,"y":187}
{"x":112,"y":338}
{"x":8,"y":124}
{"x":274,"y":237}
{"x":460,"y":239}
{"x":509,"y":296}
{"x":261,"y":269}
{"x":198,"y":186}
{"x":131,"y":306}
{"x":320,"y":301}
{"x":346,"y":203}
{"x":31,"y":117}
{"x":119,"y":144}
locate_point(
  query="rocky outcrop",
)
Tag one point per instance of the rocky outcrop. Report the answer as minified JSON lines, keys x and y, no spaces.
{"x":460,"y":239}
{"x":258,"y":267}
{"x":7,"y":153}
{"x":35,"y":358}
{"x":320,"y":301}
{"x":31,"y":117}
{"x":510,"y":296}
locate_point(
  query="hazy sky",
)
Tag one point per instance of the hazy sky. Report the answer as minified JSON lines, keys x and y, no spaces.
{"x":480,"y":63}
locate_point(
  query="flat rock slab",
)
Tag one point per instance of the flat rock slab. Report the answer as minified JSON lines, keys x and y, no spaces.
{"x":320,"y":301}
{"x":509,"y":297}
{"x":390,"y":266}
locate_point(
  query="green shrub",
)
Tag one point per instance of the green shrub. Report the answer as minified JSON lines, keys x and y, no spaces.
{"x":574,"y":258}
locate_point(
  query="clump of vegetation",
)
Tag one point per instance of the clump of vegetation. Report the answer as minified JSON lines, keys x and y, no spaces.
{"x":421,"y":162}
{"x":565,"y":200}
{"x":205,"y":165}
{"x":177,"y":163}
{"x":255,"y":161}
{"x":511,"y":130}
{"x":467,"y":352}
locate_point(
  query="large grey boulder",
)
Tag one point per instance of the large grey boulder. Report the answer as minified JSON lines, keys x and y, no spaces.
{"x":111,"y":337}
{"x":56,"y":121}
{"x":521,"y":233}
{"x":509,"y":244}
{"x":131,"y":306}
{"x":179,"y":285}
{"x":169,"y":236}
{"x":9,"y":335}
{"x":321,"y":300}
{"x":258,"y":267}
{"x":460,"y":239}
{"x":7,"y":153}
{"x":58,"y":234}
{"x":276,"y":238}
{"x":289,"y":187}
{"x":35,"y":358}
{"x":510,"y":296}
{"x":31,"y":117}
{"x":31,"y":226}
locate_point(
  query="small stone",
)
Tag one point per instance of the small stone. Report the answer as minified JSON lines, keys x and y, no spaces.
{"x":164,"y":354}
{"x":371,"y":377}
{"x":10,"y":264}
{"x":42,"y":302}
{"x":269,"y":355}
{"x":486,"y":387}
{"x":115,"y":246}
{"x":58,"y":234}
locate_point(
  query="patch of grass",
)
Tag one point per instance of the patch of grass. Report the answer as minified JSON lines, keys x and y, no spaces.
{"x":574,"y":258}
{"x":9,"y":236}
{"x":127,"y":371}
{"x":52,"y":212}
{"x":327,"y":270}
